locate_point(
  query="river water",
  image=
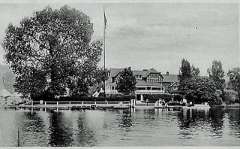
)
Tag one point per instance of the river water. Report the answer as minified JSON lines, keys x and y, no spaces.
{"x":216,"y":127}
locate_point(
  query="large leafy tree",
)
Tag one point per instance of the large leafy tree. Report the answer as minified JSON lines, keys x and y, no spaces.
{"x":185,"y":70}
{"x":234,"y":77}
{"x":126,"y":81}
{"x":199,"y":90}
{"x":216,"y":73}
{"x":185,"y":73}
{"x":101,"y":75}
{"x":52,"y":50}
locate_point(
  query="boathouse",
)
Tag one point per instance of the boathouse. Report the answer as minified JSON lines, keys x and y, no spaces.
{"x":149,"y":82}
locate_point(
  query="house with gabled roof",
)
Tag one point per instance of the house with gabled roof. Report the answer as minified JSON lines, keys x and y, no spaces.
{"x":170,"y":82}
{"x":149,"y":81}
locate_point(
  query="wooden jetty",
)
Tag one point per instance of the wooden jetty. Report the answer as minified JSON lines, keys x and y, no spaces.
{"x":102,"y":105}
{"x":74,"y":105}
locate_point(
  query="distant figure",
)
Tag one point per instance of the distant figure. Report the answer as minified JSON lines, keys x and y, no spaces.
{"x":191,"y":103}
{"x":163,"y":103}
{"x":159,"y":101}
{"x":101,"y":90}
{"x":147,"y":101}
{"x":184,"y":101}
{"x":166,"y":105}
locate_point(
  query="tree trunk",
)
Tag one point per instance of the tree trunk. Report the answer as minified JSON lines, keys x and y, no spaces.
{"x":52,"y":45}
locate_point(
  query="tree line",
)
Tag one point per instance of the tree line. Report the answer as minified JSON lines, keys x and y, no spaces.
{"x":199,"y":89}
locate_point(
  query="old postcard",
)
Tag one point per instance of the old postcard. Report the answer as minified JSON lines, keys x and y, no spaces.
{"x":119,"y":73}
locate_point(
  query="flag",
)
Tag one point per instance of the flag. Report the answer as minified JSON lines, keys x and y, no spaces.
{"x":105,"y":21}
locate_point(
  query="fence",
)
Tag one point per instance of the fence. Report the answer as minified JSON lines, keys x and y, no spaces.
{"x":77,"y":102}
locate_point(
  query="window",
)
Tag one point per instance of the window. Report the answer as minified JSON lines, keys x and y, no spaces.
{"x":140,"y":88}
{"x":112,"y":87}
{"x":113,"y":79}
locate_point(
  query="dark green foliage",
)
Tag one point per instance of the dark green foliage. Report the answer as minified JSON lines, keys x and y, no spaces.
{"x":195,"y":71}
{"x":234,"y":76}
{"x":126,"y":81}
{"x":230,"y":96}
{"x":49,"y":49}
{"x":100,"y":75}
{"x":185,"y":70}
{"x":31,"y":80}
{"x":78,"y":87}
{"x":199,"y":90}
{"x":216,"y":73}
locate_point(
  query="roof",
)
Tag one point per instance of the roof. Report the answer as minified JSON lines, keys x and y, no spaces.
{"x":170,"y":78}
{"x":4,"y":93}
{"x":115,"y":71}
{"x":139,"y":72}
{"x":144,"y":73}
{"x":152,"y":70}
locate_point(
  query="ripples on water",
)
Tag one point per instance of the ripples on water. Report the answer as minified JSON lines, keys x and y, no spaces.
{"x":121,"y":128}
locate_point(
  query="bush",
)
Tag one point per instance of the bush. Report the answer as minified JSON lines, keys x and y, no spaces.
{"x":230,"y":96}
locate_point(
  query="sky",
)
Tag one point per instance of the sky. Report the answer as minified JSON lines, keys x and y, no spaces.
{"x":153,"y":35}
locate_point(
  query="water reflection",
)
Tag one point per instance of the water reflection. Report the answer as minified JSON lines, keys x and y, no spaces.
{"x":60,"y":130}
{"x":216,"y":119}
{"x":126,"y":120}
{"x":205,"y":123}
{"x":234,"y":121}
{"x":32,"y":130}
{"x":192,"y":118}
{"x":121,"y":128}
{"x":85,"y":135}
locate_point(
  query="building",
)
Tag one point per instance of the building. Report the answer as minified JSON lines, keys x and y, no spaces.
{"x":149,"y":81}
{"x":170,"y":82}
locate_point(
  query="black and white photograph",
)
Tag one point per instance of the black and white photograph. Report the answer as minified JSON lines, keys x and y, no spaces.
{"x":131,"y":73}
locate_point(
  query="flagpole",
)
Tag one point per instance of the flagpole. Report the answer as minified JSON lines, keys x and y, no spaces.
{"x":104,"y":55}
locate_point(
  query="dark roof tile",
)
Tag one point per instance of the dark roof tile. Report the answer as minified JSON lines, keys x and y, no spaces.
{"x":170,"y":78}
